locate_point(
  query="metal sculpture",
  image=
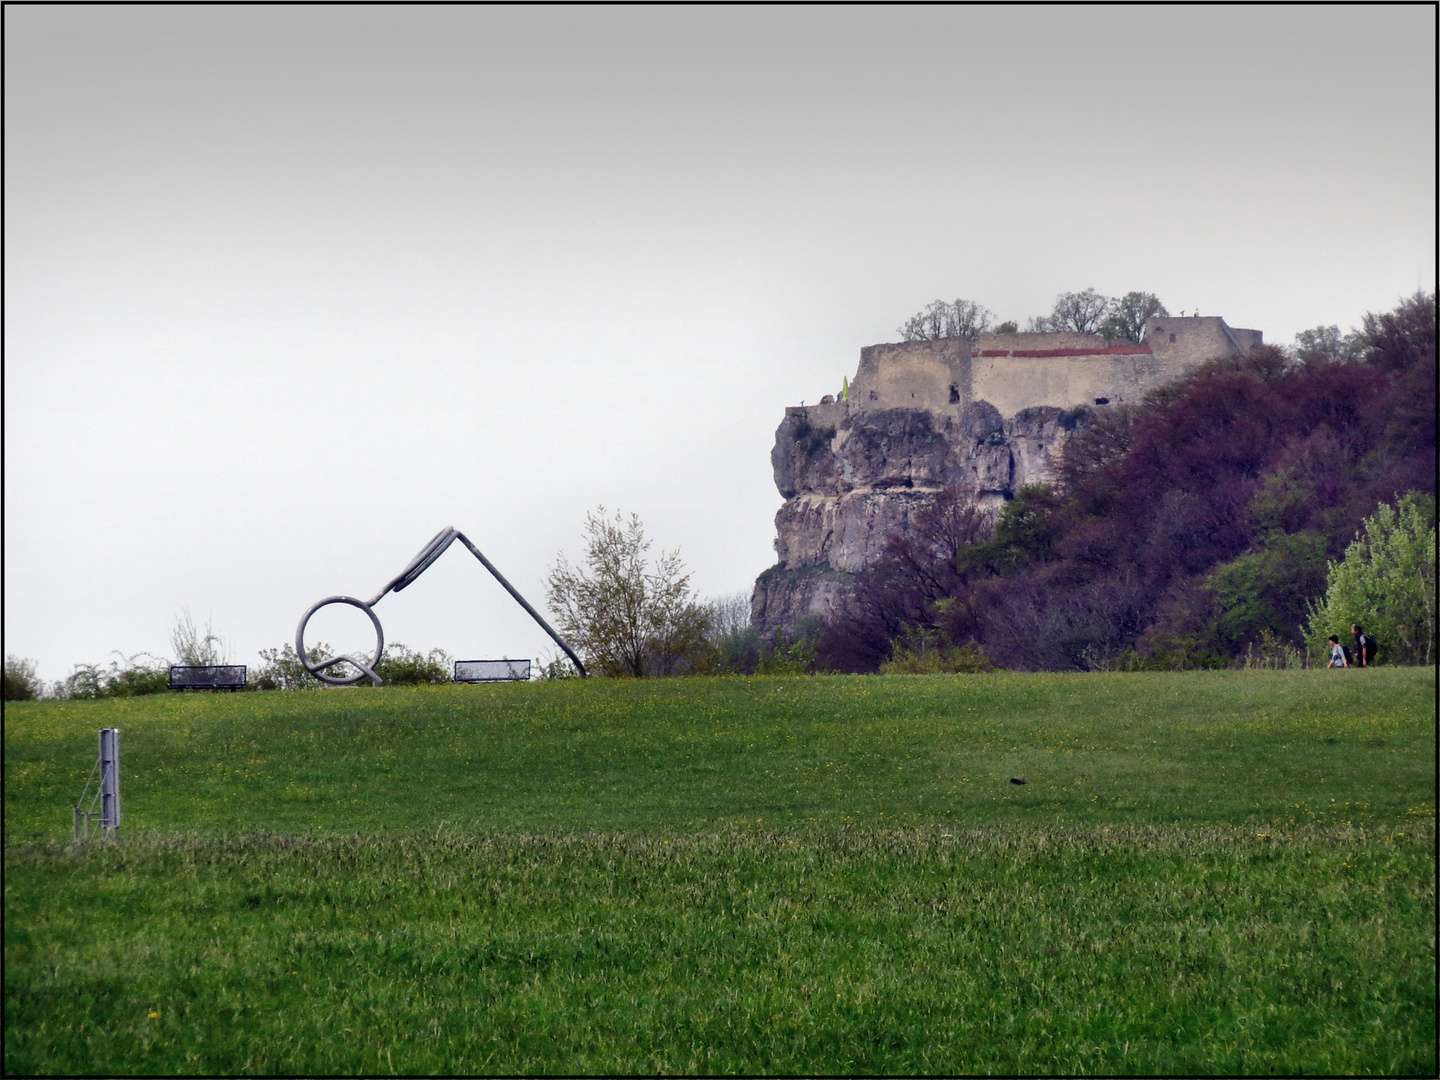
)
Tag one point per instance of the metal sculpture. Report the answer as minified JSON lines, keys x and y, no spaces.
{"x":418,"y":565}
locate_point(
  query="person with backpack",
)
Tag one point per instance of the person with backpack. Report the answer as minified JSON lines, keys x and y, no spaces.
{"x":1364,"y":646}
{"x":1337,"y":653}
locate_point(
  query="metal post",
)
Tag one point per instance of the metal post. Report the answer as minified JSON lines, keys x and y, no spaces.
{"x":109,"y":779}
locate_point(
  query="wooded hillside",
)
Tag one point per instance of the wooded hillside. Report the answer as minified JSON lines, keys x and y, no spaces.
{"x":1181,"y":531}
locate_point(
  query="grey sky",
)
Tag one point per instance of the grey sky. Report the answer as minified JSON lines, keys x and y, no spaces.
{"x":289,"y":289}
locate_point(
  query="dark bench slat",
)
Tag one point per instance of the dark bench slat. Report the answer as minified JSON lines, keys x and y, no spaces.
{"x":211,"y":677}
{"x":492,"y":671}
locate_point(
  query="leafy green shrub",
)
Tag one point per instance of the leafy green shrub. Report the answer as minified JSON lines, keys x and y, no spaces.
{"x":129,"y":676}
{"x":86,"y":682}
{"x":1264,"y":591}
{"x":21,"y":682}
{"x":1271,"y":654}
{"x":134,"y":679}
{"x":734,"y":653}
{"x":1172,"y":654}
{"x":946,"y":660}
{"x":790,"y":657}
{"x":399,"y":666}
{"x":558,"y":666}
{"x":281,"y":669}
{"x":142,"y":673}
{"x":1386,"y":584}
{"x":927,"y":652}
{"x":402,"y":666}
{"x":743,"y":652}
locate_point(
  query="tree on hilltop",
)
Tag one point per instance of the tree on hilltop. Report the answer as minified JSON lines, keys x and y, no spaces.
{"x":1326,"y":345}
{"x":1090,"y":312}
{"x":1391,"y":340}
{"x":1081,"y":313}
{"x":1127,"y":315}
{"x":1403,"y":338}
{"x":957,"y":319}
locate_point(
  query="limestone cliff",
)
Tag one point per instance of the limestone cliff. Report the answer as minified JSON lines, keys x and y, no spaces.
{"x":849,"y":478}
{"x":988,"y":417}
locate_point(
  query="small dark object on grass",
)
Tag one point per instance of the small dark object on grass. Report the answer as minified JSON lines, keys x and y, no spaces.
{"x":1015,"y":781}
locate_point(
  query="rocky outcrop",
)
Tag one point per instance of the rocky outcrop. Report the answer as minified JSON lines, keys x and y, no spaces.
{"x":850,"y":477}
{"x":987,"y":418}
{"x":789,"y":599}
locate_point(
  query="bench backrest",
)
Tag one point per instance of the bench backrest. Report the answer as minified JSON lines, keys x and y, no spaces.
{"x":492,"y":670}
{"x":212,"y":677}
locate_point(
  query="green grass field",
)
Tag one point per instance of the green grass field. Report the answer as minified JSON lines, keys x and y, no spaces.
{"x":1220,"y":872}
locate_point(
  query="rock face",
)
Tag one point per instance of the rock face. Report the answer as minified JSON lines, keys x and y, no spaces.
{"x":922,"y":416}
{"x":851,"y":478}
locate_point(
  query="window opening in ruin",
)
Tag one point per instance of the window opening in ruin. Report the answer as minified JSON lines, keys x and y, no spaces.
{"x":1172,"y":339}
{"x":954,"y":394}
{"x":1102,"y":401}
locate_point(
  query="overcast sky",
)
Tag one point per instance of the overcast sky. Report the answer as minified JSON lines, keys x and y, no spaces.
{"x":289,"y":289}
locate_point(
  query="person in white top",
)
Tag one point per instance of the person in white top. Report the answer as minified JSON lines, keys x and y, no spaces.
{"x":1337,"y":653}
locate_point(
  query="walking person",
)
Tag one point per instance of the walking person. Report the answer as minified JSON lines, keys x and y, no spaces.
{"x":1337,"y":653}
{"x":1364,"y":646}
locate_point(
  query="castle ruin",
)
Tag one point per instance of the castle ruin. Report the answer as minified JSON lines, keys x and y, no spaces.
{"x":988,"y":417}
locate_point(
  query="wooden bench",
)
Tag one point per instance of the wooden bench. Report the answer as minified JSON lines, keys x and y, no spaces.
{"x":207,"y":677}
{"x":492,"y":671}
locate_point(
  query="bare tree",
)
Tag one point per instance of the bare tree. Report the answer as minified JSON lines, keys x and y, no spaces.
{"x":1127,"y":315}
{"x":629,"y":617}
{"x":729,"y":615}
{"x":957,"y":319}
{"x":1082,"y":312}
{"x":194,"y":647}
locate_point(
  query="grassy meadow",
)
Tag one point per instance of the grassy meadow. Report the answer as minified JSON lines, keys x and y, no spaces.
{"x":1227,"y":872}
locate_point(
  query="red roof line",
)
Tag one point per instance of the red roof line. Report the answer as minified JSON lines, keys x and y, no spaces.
{"x":1113,"y":350}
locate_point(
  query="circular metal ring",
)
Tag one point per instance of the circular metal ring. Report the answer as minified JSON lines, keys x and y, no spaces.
{"x":318,"y":670}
